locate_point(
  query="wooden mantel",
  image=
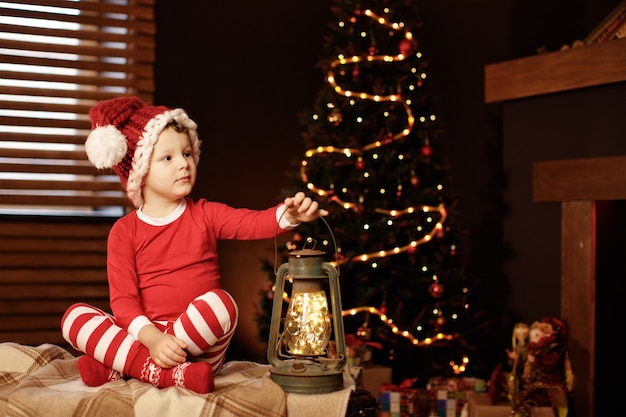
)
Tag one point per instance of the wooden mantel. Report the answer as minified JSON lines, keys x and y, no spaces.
{"x":576,"y":183}
{"x":584,"y":66}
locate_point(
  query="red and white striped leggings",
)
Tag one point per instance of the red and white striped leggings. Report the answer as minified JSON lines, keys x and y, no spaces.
{"x":207,"y":326}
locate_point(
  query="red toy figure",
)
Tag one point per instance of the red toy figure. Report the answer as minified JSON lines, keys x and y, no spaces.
{"x":547,"y":378}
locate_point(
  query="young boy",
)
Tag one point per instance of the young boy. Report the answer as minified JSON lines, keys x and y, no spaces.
{"x":171,"y":322}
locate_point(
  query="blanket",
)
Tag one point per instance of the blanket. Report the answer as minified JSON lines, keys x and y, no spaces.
{"x":44,"y":381}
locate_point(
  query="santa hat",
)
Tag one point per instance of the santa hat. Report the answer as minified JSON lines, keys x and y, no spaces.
{"x":124,"y":131}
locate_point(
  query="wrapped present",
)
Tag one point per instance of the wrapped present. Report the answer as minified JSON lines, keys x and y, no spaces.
{"x":376,"y":376}
{"x":449,"y":396}
{"x":399,"y":400}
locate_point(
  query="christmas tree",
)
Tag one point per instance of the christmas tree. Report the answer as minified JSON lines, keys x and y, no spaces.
{"x":373,"y":160}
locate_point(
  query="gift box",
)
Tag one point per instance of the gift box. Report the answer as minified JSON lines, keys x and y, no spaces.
{"x":449,"y":397}
{"x":374,"y":377}
{"x":401,"y":403}
{"x":480,"y":406}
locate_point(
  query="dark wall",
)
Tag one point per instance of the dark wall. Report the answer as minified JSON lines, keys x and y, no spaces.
{"x":243,"y":70}
{"x":585,"y":123}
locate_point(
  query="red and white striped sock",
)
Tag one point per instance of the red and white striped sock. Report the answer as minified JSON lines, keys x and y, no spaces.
{"x":196,"y":376}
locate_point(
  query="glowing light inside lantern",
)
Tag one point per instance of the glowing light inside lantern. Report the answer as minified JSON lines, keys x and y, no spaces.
{"x":307,"y":324}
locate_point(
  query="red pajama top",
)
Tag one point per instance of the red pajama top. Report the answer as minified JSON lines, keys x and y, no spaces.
{"x":156,"y":270}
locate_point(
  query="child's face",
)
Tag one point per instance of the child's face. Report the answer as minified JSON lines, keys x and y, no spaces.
{"x":172,"y":172}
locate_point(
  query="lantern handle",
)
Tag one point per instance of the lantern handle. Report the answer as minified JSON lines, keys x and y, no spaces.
{"x":332,"y":235}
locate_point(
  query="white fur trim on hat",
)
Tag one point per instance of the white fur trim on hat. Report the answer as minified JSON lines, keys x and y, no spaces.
{"x":105,"y":146}
{"x":145,"y":145}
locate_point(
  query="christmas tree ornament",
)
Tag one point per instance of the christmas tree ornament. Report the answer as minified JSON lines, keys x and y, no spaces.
{"x":435,"y":290}
{"x":407,"y":46}
{"x":383,"y":308}
{"x":427,"y":151}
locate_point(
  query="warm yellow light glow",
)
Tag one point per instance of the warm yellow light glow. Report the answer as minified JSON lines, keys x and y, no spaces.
{"x":307,"y":324}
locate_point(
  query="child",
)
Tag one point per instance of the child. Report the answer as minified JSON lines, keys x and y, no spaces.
{"x":171,"y":322}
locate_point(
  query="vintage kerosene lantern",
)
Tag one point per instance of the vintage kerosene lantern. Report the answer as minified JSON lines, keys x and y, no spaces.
{"x":298,"y":344}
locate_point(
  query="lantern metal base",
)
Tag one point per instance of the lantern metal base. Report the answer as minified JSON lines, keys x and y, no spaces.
{"x":304,"y":378}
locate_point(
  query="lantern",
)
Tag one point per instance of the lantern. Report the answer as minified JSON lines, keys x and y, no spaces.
{"x":298,"y":342}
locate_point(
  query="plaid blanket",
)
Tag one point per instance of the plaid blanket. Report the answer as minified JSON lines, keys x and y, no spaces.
{"x":44,"y":381}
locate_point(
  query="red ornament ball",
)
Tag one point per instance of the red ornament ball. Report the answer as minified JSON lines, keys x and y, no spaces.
{"x":436,"y":290}
{"x":427,"y":151}
{"x":407,"y":46}
{"x":383,"y":308}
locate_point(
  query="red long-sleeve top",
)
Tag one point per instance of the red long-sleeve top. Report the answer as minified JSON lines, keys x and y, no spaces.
{"x":156,"y":267}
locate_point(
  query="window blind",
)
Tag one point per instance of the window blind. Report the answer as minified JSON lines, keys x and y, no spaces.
{"x":57,"y":59}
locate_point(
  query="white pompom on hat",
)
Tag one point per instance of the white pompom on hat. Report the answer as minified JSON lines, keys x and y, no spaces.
{"x":124,"y":131}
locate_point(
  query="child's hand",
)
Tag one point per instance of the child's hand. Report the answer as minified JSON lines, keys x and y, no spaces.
{"x":301,"y":208}
{"x":166,"y":350}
